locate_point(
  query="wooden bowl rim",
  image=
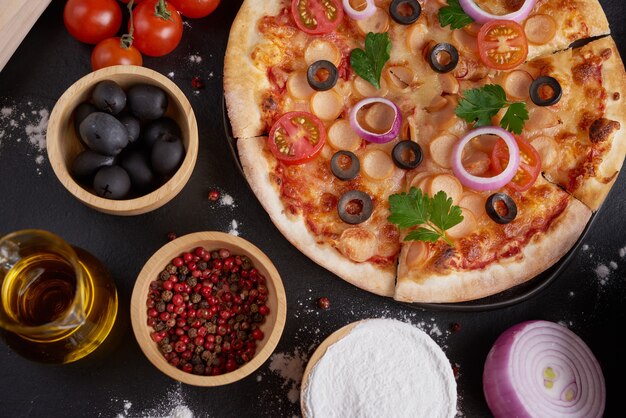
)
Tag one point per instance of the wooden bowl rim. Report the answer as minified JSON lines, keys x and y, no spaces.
{"x":142,"y":204}
{"x":186,"y":243}
{"x":319,"y":353}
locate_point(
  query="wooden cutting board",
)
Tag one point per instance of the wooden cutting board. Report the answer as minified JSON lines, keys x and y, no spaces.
{"x":17,"y":17}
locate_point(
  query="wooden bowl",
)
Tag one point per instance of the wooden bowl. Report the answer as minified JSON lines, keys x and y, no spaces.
{"x":272,"y":327}
{"x":63,"y":143}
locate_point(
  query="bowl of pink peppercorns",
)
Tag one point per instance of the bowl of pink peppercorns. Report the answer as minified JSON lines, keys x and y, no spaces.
{"x":208,"y":308}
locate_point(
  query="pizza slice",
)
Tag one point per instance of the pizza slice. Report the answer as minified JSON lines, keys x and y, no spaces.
{"x":334,"y":208}
{"x":579,"y":124}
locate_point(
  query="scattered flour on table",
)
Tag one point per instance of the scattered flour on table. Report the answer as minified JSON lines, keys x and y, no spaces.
{"x":170,"y":74}
{"x":171,"y":406}
{"x":622,"y":252}
{"x":227,"y":200}
{"x":290,"y":367}
{"x":602,"y":272}
{"x":27,"y":124}
{"x":234,"y":228}
{"x":585,"y":247}
{"x":196,"y":59}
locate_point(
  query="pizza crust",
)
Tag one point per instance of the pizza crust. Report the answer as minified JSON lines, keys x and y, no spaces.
{"x":590,"y":15}
{"x":363,"y":275}
{"x":542,"y":252}
{"x":593,"y":191}
{"x":242,"y":79}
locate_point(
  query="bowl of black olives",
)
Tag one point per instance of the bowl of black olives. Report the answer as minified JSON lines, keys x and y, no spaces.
{"x":123,"y":140}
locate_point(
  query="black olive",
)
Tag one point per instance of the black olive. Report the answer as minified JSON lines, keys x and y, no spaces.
{"x":167,"y":154}
{"x":147,"y":101}
{"x":138,"y":168}
{"x":407,"y":154}
{"x":315,"y":82}
{"x":342,"y":169}
{"x":132,"y":126}
{"x":109,"y":97}
{"x":156,"y":129}
{"x":396,"y":11}
{"x":103,"y":133}
{"x":81,"y":112}
{"x":447,"y":49}
{"x":551,"y":82}
{"x":88,"y":162}
{"x":111,"y":182}
{"x":509,"y":204}
{"x":355,"y":207}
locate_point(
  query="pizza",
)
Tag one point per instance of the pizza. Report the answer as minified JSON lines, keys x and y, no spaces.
{"x":431,"y":151}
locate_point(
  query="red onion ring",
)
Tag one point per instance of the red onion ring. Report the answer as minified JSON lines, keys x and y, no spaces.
{"x":370,"y":9}
{"x":389,"y":135}
{"x":541,"y":369}
{"x":486,"y":183}
{"x":481,"y":16}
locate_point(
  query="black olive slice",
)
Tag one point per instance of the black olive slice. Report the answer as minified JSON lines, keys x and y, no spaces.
{"x":321,"y":83}
{"x":397,"y":10}
{"x":509,"y":206}
{"x":407,"y":154}
{"x":355,"y":207}
{"x":345,"y":165}
{"x":554,"y":85}
{"x":445,"y":49}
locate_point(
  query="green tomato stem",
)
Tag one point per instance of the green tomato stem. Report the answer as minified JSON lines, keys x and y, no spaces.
{"x":161,"y":11}
{"x":126,"y":41}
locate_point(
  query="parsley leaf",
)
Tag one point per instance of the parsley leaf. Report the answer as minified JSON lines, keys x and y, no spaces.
{"x":369,"y":63}
{"x":514,"y":118}
{"x":436,"y":215}
{"x":454,"y":15}
{"x":480,"y":105}
{"x":443,"y":214}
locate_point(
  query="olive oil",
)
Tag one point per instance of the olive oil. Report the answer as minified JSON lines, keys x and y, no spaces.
{"x":62,"y":311}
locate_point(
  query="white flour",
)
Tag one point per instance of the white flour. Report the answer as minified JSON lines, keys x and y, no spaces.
{"x":196,"y":59}
{"x":234,"y":228}
{"x":290,"y":367}
{"x":172,"y":406}
{"x":25,"y":124}
{"x":383,"y":368}
{"x":227,"y":200}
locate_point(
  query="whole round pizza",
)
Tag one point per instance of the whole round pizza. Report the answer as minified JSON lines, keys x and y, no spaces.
{"x":433,"y":150}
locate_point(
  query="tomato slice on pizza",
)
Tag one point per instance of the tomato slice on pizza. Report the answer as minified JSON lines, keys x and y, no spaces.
{"x":317,"y":17}
{"x":297,"y":137}
{"x":502,"y":44}
{"x":529,"y":167}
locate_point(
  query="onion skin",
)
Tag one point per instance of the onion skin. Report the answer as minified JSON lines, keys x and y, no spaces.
{"x":512,"y":387}
{"x":388,"y":136}
{"x":481,"y":16}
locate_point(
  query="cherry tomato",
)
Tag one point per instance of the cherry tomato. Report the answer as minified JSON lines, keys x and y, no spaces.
{"x":317,"y":16}
{"x":195,"y":8}
{"x":111,"y":52}
{"x":297,"y":137}
{"x":529,"y":168}
{"x":158,"y":27}
{"x":91,"y":21}
{"x":502,"y":44}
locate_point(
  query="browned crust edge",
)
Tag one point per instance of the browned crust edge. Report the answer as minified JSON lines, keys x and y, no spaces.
{"x":542,"y":252}
{"x":593,"y":192}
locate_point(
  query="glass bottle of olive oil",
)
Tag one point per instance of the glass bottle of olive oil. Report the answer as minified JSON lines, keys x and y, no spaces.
{"x":57,"y":302}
